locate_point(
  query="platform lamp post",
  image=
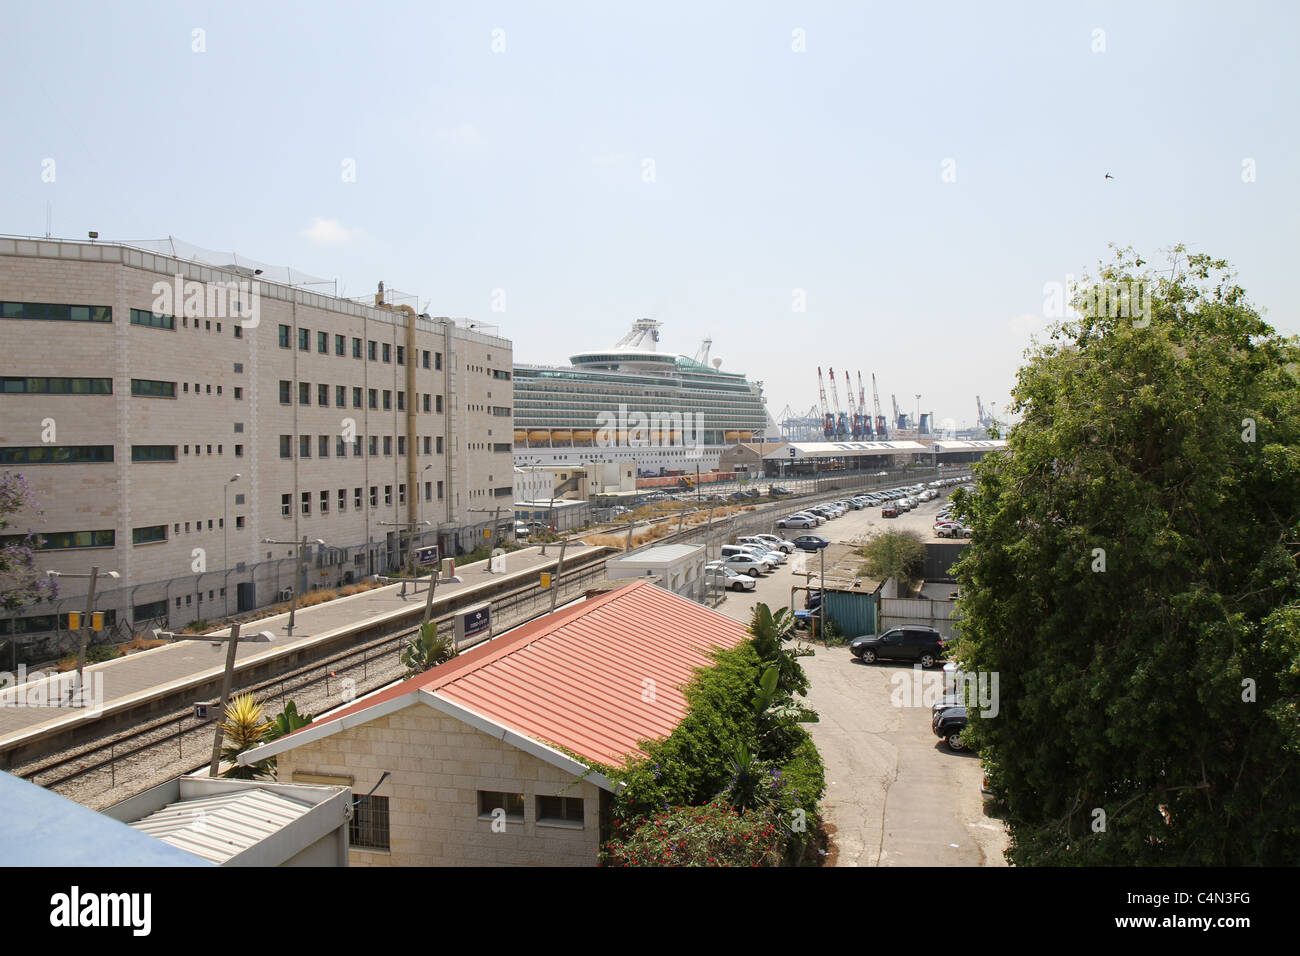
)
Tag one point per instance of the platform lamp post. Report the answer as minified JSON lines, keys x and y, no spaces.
{"x":297,"y":581}
{"x":227,"y":678}
{"x":87,"y":622}
{"x":225,"y":543}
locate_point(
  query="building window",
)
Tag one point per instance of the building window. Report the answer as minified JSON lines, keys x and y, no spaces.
{"x":428,"y":491}
{"x":304,"y":340}
{"x":374,"y":496}
{"x":356,"y":498}
{"x":340,"y":396}
{"x":439,"y":444}
{"x":388,"y":352}
{"x":239,"y":331}
{"x":368,"y":828}
{"x":146,"y":388}
{"x":153,"y":319}
{"x":563,"y":810}
{"x":62,"y":540}
{"x":374,"y":446}
{"x":239,"y":451}
{"x":425,"y":398}
{"x":388,"y":446}
{"x":424,"y":359}
{"x":356,"y":447}
{"x":401,"y":494}
{"x":401,"y":355}
{"x":343,"y":499}
{"x":356,"y":348}
{"x":437,"y":403}
{"x":239,"y":524}
{"x":340,"y":448}
{"x":304,"y":393}
{"x":284,"y":336}
{"x":56,"y":454}
{"x":428,"y":444}
{"x":437,"y":361}
{"x":153,"y":452}
{"x":373,"y":397}
{"x":370,"y":350}
{"x":401,"y":444}
{"x":324,"y":502}
{"x":286,"y":393}
{"x":157,"y":532}
{"x":239,"y":428}
{"x":356,"y":396}
{"x":491,"y":804}
{"x":401,"y":401}
{"x":440,"y":491}
{"x":286,"y":504}
{"x":239,"y":393}
{"x":340,"y":345}
{"x":306,"y":502}
{"x":56,"y":386}
{"x":388,"y":496}
{"x":323,"y":343}
{"x":286,"y":446}
{"x":388,"y":400}
{"x":322,"y":446}
{"x":323,"y":396}
{"x":304,"y":446}
{"x":64,"y":313}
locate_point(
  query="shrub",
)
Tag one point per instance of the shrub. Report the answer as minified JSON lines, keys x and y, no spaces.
{"x":714,"y":834}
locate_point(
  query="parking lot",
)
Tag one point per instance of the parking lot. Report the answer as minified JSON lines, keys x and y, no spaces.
{"x":895,"y":796}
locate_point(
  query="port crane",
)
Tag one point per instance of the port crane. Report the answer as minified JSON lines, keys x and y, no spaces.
{"x":828,"y":422}
{"x":840,"y":429}
{"x":862,"y":410}
{"x":855,"y":413}
{"x":899,"y":423}
{"x":882,"y":429}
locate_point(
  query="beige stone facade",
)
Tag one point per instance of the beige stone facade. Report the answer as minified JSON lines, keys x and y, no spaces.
{"x":448,"y":463}
{"x":438,"y":765}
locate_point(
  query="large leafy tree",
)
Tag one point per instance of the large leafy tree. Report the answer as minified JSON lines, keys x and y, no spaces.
{"x":20,"y":580}
{"x":1133,"y":580}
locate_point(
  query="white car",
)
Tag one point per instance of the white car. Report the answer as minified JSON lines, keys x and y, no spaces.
{"x":746,"y":563}
{"x":775,"y":543}
{"x":724,"y":577}
{"x":798,"y":521}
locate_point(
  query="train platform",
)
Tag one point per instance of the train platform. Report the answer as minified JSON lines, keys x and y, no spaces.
{"x":40,"y":705}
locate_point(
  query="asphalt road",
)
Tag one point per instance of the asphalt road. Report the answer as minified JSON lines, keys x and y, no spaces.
{"x":895,"y":796}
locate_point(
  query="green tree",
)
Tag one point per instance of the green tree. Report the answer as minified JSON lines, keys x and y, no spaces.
{"x":1133,"y":581}
{"x":894,"y":553}
{"x":426,"y":649}
{"x":21,"y":581}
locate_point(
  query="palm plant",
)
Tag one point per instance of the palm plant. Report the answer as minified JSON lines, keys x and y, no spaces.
{"x":426,"y":650}
{"x":245,"y":726}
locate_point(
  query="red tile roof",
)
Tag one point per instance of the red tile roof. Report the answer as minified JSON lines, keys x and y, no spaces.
{"x":594,"y":678}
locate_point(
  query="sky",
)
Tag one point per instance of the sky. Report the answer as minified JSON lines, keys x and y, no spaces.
{"x":882,"y":188}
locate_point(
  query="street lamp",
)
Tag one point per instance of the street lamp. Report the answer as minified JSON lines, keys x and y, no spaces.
{"x":225,"y":543}
{"x":90,"y":607}
{"x":302,"y":552}
{"x":227,"y":677}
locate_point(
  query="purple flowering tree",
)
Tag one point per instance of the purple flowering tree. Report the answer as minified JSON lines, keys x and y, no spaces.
{"x":20,"y":581}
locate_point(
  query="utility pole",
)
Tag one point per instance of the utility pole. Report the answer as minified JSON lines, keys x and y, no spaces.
{"x":555,"y":582}
{"x":428,"y":602}
{"x":302,"y":556}
{"x":87,"y":623}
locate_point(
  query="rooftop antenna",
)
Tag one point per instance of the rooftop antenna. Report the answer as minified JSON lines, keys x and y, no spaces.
{"x":49,"y":215}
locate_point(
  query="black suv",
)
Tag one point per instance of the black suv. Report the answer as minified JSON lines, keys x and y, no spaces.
{"x":912,"y":643}
{"x":949,"y":725}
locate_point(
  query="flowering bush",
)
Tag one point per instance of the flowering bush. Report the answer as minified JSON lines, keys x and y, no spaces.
{"x":715,"y":834}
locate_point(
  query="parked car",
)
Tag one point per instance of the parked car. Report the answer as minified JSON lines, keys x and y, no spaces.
{"x":810,"y":542}
{"x":746,"y":563}
{"x":891,"y":510}
{"x":729,"y":550}
{"x":797,"y":521}
{"x":724,"y":577}
{"x":910,"y":643}
{"x":819,"y":518}
{"x":952,"y":529}
{"x":770,"y":541}
{"x":776,"y":490}
{"x":949,"y":725}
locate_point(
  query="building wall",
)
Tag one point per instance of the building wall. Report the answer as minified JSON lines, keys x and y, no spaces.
{"x":227,"y":418}
{"x":437,"y":766}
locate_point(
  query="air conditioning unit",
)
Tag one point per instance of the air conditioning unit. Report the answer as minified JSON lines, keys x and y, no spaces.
{"x":285,"y":594}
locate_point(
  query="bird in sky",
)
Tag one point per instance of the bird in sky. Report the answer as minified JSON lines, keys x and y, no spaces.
{"x":1109,"y":176}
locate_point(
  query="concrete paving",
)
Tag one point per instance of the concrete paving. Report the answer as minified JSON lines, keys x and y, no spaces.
{"x":37,"y":705}
{"x":894,"y":795}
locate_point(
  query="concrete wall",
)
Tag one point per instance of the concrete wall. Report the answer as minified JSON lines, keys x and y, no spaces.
{"x":437,"y":766}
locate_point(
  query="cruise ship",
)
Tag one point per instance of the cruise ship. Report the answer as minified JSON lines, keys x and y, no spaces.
{"x":665,"y":412}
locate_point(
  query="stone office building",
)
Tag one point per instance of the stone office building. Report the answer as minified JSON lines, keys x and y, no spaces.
{"x":170,"y":415}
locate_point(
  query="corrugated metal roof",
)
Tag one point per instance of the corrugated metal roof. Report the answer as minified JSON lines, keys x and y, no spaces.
{"x":594,"y":678}
{"x":222,"y":826}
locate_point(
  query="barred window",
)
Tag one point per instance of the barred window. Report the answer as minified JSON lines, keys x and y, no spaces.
{"x":368,"y":828}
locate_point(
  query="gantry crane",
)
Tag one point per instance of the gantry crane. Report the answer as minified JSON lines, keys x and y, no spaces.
{"x":840,"y":429}
{"x":828,"y":422}
{"x":862,"y":410}
{"x":855,"y":415}
{"x":882,"y":429}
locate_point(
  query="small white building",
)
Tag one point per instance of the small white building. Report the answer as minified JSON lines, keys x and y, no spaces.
{"x":678,"y":568}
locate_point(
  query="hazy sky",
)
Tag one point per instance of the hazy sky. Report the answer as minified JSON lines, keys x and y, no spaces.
{"x":601,"y":162}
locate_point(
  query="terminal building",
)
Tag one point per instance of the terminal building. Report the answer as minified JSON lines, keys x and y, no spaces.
{"x":181,"y":422}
